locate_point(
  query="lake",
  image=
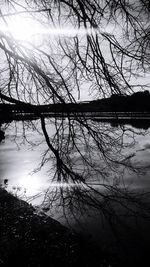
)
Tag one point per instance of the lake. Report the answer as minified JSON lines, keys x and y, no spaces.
{"x":25,"y":170}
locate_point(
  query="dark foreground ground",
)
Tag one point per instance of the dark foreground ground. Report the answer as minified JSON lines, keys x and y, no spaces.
{"x":29,"y":239}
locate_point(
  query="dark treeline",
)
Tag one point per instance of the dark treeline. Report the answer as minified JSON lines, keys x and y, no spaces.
{"x":138,"y":101}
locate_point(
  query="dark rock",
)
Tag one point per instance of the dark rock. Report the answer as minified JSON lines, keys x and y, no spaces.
{"x":2,"y":135}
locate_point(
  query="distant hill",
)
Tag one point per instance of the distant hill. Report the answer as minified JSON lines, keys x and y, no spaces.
{"x":139,"y":101}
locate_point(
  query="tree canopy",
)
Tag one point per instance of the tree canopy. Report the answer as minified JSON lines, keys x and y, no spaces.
{"x":74,"y":47}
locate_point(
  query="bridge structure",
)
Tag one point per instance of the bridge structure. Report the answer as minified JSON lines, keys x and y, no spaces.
{"x":9,"y":112}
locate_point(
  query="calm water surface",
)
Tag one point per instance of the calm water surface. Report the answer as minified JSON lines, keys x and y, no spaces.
{"x":19,"y":163}
{"x":20,"y":159}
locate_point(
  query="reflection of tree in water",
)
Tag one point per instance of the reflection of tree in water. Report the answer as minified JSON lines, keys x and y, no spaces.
{"x":91,"y":181}
{"x":90,"y":162}
{"x":138,"y":124}
{"x":91,"y":177}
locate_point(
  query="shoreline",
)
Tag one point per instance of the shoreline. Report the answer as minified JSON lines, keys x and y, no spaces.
{"x":30,"y":239}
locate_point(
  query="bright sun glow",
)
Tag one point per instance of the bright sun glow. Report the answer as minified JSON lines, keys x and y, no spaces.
{"x":32,"y":184}
{"x":28,"y":29}
{"x":23,"y":28}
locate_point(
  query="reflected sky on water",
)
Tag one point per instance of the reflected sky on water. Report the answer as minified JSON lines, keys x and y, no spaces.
{"x":20,"y":158}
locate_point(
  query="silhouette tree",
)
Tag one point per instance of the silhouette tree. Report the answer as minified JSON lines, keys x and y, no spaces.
{"x":101,"y":47}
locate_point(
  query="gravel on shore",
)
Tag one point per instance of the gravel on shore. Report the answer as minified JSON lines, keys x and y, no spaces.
{"x":30,"y":239}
